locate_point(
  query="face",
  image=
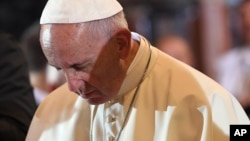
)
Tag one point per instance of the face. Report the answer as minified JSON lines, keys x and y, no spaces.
{"x":92,"y":66}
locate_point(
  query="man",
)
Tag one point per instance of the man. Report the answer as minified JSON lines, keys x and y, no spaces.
{"x":17,"y":104}
{"x":128,"y":90}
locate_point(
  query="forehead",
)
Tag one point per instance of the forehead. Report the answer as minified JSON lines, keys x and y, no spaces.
{"x":61,"y":36}
{"x":55,"y":32}
{"x":63,"y":42}
{"x":66,"y":44}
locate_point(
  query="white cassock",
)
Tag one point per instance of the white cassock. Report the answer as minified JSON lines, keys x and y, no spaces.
{"x":174,"y":103}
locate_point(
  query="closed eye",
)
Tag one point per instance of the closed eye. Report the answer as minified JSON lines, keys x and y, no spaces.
{"x":85,"y":67}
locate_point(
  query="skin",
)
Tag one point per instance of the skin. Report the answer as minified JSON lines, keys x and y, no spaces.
{"x":97,"y":66}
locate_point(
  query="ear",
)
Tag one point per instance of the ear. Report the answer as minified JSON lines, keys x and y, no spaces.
{"x":123,"y":39}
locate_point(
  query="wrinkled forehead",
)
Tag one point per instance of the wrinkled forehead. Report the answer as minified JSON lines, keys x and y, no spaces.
{"x":60,"y":43}
{"x":60,"y":34}
{"x":56,"y":37}
{"x":59,"y":30}
{"x":67,"y":37}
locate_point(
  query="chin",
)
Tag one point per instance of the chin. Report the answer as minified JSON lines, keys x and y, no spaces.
{"x":96,"y":101}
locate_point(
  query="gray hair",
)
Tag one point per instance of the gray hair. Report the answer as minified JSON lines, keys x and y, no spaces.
{"x":105,"y":27}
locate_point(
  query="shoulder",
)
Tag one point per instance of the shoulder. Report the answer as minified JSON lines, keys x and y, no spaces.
{"x":59,"y":112}
{"x":57,"y":102}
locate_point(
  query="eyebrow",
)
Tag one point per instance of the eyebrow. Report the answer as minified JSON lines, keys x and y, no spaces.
{"x":75,"y":65}
{"x":81,"y":64}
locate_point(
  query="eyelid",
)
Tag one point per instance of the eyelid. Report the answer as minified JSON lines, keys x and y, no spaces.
{"x":58,"y":69}
{"x":82,"y":66}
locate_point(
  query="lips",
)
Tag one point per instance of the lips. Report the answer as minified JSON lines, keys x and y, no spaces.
{"x":87,"y":95}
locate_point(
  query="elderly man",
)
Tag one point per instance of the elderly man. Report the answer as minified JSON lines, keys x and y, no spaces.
{"x":122,"y":88}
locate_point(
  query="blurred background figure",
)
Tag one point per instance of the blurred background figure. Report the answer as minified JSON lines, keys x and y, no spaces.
{"x":17,"y":104}
{"x":245,"y":22}
{"x":43,"y":77}
{"x":234,"y":65}
{"x":177,"y":47}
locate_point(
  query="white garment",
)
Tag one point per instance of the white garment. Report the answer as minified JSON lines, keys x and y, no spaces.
{"x":174,"y":103}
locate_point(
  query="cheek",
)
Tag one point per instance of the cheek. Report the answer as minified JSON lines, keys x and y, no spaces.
{"x":108,"y":67}
{"x":105,"y":63}
{"x":105,"y":74}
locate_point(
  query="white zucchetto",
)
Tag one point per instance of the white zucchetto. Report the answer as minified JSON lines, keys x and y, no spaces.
{"x":78,"y":11}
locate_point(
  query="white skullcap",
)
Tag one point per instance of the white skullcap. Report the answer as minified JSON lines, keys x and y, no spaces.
{"x":77,"y":11}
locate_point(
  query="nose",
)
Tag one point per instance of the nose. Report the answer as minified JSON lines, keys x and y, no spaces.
{"x":74,"y":83}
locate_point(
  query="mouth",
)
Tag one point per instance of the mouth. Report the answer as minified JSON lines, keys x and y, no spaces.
{"x":92,"y":96}
{"x":86,"y":95}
